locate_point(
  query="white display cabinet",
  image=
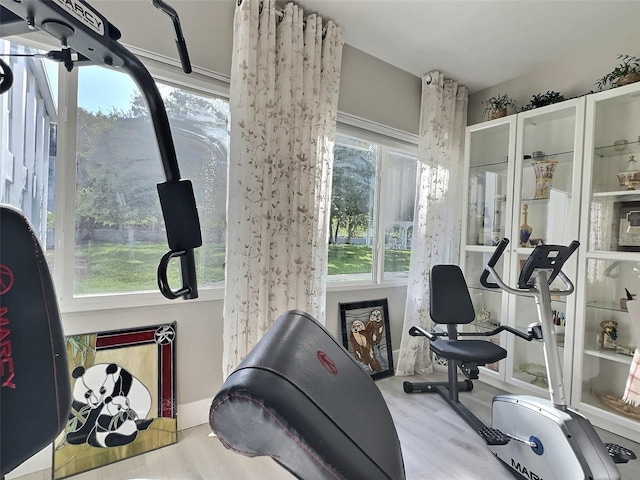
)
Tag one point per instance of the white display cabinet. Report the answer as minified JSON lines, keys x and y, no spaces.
{"x":609,"y":265}
{"x":547,"y":183}
{"x":503,"y":194}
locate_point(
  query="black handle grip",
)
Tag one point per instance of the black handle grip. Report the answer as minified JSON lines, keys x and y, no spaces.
{"x":573,"y":246}
{"x":497,"y":253}
{"x":180,"y":42}
{"x":6,"y":77}
{"x":189,"y":288}
{"x":184,"y":56}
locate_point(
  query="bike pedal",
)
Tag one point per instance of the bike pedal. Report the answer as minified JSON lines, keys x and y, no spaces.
{"x":493,"y":436}
{"x":619,"y":454}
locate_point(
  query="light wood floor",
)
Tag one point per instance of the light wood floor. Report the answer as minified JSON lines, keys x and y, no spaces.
{"x":436,"y":445}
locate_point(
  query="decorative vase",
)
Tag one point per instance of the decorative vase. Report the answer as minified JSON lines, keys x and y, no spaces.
{"x":525,"y":228}
{"x":630,"y":178}
{"x":543,"y":170}
{"x":497,"y":113}
{"x":628,"y":78}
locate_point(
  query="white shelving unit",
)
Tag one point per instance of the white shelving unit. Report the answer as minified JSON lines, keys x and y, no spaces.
{"x":591,"y":139}
{"x":609,"y":262}
{"x":507,"y":186}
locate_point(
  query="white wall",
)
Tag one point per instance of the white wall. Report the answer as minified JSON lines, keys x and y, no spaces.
{"x":572,"y":75}
{"x":369,"y":88}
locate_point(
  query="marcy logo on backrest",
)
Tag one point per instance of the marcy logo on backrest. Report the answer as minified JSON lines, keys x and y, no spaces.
{"x":84,"y":13}
{"x":7,"y":372}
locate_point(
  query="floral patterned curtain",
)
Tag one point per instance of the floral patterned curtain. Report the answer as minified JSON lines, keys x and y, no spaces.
{"x":283,"y":106}
{"x":437,"y":220}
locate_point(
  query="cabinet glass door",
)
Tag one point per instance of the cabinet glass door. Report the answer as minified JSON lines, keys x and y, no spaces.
{"x":610,"y":267}
{"x":547,"y":192}
{"x":488,"y":151}
{"x":488,"y":209}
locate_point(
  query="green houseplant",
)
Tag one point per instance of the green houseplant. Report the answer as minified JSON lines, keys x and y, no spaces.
{"x":627,"y":71}
{"x":496,"y":107}
{"x":543,"y":99}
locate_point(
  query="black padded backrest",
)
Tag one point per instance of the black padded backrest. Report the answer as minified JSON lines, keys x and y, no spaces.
{"x":300,"y":398}
{"x":35,"y":396}
{"x":450,"y":302}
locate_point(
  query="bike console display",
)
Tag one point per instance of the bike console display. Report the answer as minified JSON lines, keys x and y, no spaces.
{"x":545,"y":258}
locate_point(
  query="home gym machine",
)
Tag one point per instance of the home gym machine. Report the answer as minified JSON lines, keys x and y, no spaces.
{"x":535,"y":438}
{"x":35,"y":396}
{"x":88,"y":38}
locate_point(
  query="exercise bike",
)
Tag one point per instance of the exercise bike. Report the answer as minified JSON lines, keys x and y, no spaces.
{"x":537,"y":439}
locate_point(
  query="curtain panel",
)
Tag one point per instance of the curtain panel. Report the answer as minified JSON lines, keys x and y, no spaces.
{"x":283,"y":106}
{"x":437,"y":219}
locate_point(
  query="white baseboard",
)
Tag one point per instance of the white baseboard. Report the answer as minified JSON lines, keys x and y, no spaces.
{"x":189,"y":415}
{"x":40,"y":461}
{"x":193,"y":414}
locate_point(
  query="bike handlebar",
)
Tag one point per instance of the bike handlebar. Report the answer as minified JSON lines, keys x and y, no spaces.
{"x":492,"y":263}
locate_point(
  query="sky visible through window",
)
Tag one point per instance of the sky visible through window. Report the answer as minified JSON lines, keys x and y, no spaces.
{"x":115,"y":89}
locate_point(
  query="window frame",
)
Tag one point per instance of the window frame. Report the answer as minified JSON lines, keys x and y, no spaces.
{"x":201,"y":81}
{"x":388,"y":140}
{"x":162,"y":69}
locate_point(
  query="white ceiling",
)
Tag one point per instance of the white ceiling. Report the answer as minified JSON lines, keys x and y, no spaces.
{"x":479,"y":43}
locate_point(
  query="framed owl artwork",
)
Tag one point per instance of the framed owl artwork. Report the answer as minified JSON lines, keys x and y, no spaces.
{"x":366,"y":335}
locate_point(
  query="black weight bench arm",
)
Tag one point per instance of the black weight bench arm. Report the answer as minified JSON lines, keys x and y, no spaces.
{"x":421,"y":332}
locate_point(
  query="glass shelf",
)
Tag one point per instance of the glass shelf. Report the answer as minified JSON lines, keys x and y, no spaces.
{"x":614,"y":150}
{"x":484,"y":327}
{"x":609,"y":355}
{"x":542,"y":201}
{"x":627,"y":195}
{"x":562,"y":157}
{"x":614,"y":307}
{"x":489,"y":166}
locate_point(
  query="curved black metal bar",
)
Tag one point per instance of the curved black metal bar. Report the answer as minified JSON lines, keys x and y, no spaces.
{"x":6,"y":77}
{"x":80,"y":27}
{"x":180,"y":42}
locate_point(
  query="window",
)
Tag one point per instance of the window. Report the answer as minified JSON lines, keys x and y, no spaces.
{"x":110,"y":193}
{"x":109,"y":200}
{"x":397,"y":212}
{"x":119,"y":229}
{"x":372,"y":203}
{"x":28,"y":115}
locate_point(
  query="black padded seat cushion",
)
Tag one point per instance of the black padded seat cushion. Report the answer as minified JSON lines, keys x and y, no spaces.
{"x":450,"y":303}
{"x":300,"y":398}
{"x":36,"y":397}
{"x":480,"y":352}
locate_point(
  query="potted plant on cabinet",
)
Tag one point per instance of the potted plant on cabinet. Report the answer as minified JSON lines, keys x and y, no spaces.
{"x":496,"y":107}
{"x":627,"y":71}
{"x":543,"y":99}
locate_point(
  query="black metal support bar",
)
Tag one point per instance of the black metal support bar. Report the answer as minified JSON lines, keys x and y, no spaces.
{"x":490,"y":333}
{"x":462,"y":410}
{"x":80,"y":27}
{"x":180,"y":42}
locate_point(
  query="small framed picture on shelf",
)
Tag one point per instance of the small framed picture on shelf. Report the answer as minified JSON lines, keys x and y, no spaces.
{"x":365,"y":334}
{"x":629,"y":226}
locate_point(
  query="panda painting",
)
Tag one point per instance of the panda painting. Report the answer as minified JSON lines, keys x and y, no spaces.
{"x":112,"y":403}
